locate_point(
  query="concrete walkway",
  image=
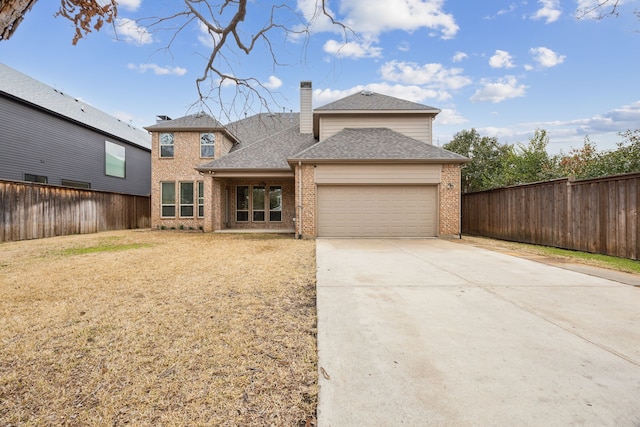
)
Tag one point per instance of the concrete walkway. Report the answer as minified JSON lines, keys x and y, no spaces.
{"x":433,"y":332}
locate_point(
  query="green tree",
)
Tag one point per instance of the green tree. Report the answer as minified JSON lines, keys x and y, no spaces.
{"x":531,"y":162}
{"x":579,"y":162}
{"x":588,"y":162}
{"x":487,"y":156}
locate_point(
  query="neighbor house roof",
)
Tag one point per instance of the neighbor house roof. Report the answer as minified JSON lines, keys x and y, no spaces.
{"x":270,"y":153}
{"x":25,"y":89}
{"x":375,"y":144}
{"x":371,"y":101}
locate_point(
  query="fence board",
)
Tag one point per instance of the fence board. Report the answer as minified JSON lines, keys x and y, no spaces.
{"x":34,"y":211}
{"x":596,"y":215}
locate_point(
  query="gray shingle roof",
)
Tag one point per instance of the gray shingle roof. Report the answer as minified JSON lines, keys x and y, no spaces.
{"x":375,"y":144}
{"x":261,"y":126}
{"x":31,"y":91}
{"x":371,"y":101}
{"x":270,"y":153}
{"x":193,"y":122}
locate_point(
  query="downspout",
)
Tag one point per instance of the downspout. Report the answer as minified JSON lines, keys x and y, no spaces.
{"x":299,"y":221}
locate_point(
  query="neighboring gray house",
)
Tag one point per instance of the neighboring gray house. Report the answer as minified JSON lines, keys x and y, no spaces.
{"x":47,"y":136}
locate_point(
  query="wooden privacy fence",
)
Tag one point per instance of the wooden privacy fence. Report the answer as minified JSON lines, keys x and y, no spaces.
{"x":594,"y":215}
{"x":34,"y":211}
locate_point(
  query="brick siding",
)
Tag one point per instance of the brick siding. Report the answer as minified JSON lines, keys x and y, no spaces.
{"x":449,"y":223}
{"x":181,"y":168}
{"x":306,"y":212}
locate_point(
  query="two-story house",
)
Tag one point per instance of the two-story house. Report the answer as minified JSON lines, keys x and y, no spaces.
{"x":362,"y":166}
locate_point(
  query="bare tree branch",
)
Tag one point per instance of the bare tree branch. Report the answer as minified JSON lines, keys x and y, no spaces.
{"x":599,"y":10}
{"x":231,"y":34}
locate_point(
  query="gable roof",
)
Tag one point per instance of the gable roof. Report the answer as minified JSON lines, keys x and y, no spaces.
{"x":375,"y":144}
{"x":270,"y":153}
{"x":371,"y":101}
{"x":30,"y":91}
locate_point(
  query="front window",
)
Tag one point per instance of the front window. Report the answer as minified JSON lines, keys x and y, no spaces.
{"x":252,"y":203}
{"x":186,"y":199}
{"x":200,"y":199}
{"x":207,"y":144}
{"x":168,"y":199}
{"x":114,"y":156}
{"x":166,"y":145}
{"x":275,"y":203}
{"x":242,"y":203}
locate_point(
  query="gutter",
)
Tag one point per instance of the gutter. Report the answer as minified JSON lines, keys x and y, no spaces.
{"x":299,"y":222}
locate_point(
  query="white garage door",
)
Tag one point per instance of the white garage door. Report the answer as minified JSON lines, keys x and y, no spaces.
{"x":377,"y":211}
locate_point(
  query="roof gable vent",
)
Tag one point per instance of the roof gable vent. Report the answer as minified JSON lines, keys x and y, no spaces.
{"x":366,"y":93}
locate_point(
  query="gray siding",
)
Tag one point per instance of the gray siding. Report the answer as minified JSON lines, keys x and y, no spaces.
{"x":37,"y":142}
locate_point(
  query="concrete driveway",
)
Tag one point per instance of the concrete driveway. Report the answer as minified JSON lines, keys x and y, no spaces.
{"x":434,"y":332}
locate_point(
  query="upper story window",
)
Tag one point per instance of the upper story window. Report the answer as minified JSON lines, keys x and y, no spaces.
{"x":114,"y":160}
{"x":166,"y":145}
{"x":207,"y":144}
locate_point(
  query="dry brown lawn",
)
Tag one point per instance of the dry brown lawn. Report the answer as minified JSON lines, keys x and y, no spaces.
{"x":149,"y":328}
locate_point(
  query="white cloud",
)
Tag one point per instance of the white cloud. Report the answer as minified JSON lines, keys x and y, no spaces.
{"x":500,"y":90}
{"x":546,"y":58}
{"x":317,"y":20}
{"x":404,"y":46}
{"x":501,"y":59}
{"x":433,"y":75}
{"x":273,"y":83}
{"x":353,"y":50}
{"x":206,"y":38}
{"x":512,"y":7}
{"x":617,"y":120}
{"x":602,"y":129}
{"x":550,"y":11}
{"x":459,"y":56}
{"x":131,"y":5}
{"x":372,"y":18}
{"x":158,"y":70}
{"x":508,"y":10}
{"x":449,"y":116}
{"x":131,"y":32}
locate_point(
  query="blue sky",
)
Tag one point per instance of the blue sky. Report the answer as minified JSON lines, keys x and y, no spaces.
{"x":505,"y":68}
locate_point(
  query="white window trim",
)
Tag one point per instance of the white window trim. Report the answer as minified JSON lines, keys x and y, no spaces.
{"x":160,"y":144}
{"x":162,"y":205}
{"x":213,"y":144}
{"x":192,"y":204}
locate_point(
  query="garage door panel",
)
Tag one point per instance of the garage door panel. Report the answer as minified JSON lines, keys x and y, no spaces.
{"x":376,"y":211}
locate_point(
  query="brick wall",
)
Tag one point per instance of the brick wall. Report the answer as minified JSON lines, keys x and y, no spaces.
{"x":450,"y":200}
{"x":307,"y":215}
{"x":181,"y":168}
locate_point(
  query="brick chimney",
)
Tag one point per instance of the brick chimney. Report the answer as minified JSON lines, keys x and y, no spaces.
{"x":306,"y":114}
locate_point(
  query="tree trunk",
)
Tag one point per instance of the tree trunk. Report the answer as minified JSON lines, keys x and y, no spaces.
{"x":11,"y":14}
